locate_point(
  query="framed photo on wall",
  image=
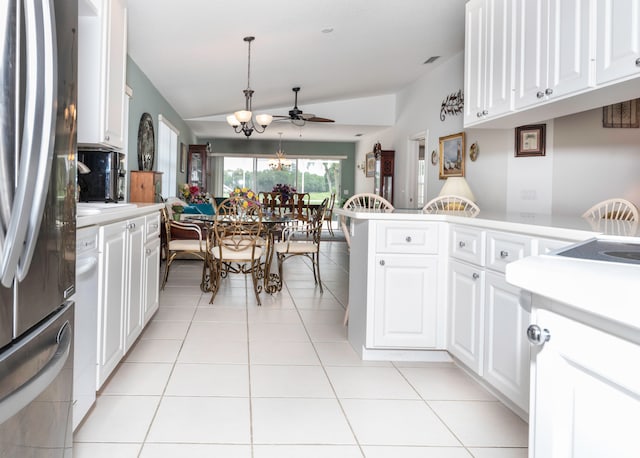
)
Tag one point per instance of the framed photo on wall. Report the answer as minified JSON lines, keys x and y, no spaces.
{"x":530,"y":140}
{"x":370,"y":164}
{"x":452,"y":156}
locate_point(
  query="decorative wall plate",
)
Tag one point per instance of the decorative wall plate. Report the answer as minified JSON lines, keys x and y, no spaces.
{"x":474,"y":151}
{"x":146,"y":143}
{"x":434,"y":157}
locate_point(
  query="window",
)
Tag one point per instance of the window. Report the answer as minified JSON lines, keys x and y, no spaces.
{"x":318,"y":176}
{"x":167,"y":156}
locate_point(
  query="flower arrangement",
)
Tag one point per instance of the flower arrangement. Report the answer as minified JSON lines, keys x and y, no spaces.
{"x":192,"y":194}
{"x":244,"y":197}
{"x":285,"y":191}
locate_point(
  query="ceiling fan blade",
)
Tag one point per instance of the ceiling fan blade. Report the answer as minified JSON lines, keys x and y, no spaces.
{"x":318,"y":119}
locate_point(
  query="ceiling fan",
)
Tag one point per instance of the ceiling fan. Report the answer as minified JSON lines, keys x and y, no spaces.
{"x":296,"y":115}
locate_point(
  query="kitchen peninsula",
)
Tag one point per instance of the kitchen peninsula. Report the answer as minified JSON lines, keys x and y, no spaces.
{"x":431,"y":287}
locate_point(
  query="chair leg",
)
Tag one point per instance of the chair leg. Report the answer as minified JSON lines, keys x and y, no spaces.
{"x":346,"y":316}
{"x":214,"y":284}
{"x":330,"y":226}
{"x":254,"y":268}
{"x":316,"y":267}
{"x":169,"y":260}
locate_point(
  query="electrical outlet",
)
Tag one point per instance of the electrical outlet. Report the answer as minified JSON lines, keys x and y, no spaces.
{"x":345,"y":192}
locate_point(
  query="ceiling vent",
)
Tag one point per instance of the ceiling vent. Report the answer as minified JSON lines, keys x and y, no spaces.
{"x":431,"y":59}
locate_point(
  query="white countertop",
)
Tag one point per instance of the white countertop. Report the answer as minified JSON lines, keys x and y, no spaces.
{"x":115,"y":213}
{"x":562,"y":227}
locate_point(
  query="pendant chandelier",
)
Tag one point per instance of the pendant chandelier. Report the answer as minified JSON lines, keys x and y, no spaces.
{"x":242,"y":120}
{"x":280,"y":162}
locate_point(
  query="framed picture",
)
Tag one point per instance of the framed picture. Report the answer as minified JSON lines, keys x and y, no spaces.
{"x":623,"y":114}
{"x":183,"y":157}
{"x":452,"y":156}
{"x":530,"y":140}
{"x":370,"y":164}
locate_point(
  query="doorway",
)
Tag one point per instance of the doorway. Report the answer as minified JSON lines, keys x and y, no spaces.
{"x":418,"y":157}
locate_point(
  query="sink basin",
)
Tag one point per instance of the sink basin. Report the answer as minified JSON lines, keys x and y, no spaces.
{"x":633,"y":255}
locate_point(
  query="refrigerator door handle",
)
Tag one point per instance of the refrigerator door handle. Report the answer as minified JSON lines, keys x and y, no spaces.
{"x":37,"y":141}
{"x":15,"y":401}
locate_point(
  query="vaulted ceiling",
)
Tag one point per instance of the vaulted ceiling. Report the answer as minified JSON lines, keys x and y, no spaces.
{"x":348,"y":56}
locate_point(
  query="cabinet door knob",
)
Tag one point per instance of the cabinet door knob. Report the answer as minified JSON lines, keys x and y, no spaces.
{"x":485,"y":112}
{"x":461,"y":244}
{"x":537,"y":335}
{"x":504,"y":254}
{"x":408,"y":239}
{"x":148,"y":251}
{"x":540,"y":94}
{"x":548,"y":91}
{"x":478,"y":114}
{"x":475,"y":275}
{"x":107,"y":138}
{"x":638,"y":62}
{"x":382,"y":262}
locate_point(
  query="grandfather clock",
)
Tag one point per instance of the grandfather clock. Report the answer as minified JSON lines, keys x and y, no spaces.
{"x":383,"y":177}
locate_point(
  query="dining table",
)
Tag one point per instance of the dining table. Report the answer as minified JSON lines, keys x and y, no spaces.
{"x":273,"y":225}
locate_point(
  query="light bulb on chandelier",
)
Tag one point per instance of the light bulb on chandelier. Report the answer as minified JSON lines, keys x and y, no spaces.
{"x":280,"y":162}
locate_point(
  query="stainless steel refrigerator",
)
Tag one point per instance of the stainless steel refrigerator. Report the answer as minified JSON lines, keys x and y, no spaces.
{"x":38,"y":67}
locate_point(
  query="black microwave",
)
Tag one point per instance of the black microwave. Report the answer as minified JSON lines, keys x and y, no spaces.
{"x":103,"y":177}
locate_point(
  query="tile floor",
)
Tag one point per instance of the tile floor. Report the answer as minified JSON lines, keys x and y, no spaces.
{"x":236,"y":380}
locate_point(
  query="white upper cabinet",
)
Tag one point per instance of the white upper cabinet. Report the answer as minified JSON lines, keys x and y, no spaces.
{"x":488,"y":59}
{"x":618,"y":40}
{"x":102,"y":54}
{"x":552,"y":49}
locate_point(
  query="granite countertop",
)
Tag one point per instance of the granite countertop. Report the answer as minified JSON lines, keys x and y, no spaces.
{"x":93,"y":213}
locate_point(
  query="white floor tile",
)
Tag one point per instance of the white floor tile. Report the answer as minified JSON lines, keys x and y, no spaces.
{"x":105,"y":450}
{"x":482,"y":423}
{"x":194,"y":451}
{"x":370,"y":383}
{"x":218,"y":353}
{"x":299,"y":421}
{"x":154,"y":351}
{"x":327,"y":332}
{"x":498,"y":452}
{"x":208,"y":333}
{"x":322,"y":316}
{"x":277,"y":332}
{"x":265,"y":314}
{"x":290,"y":382}
{"x":385,"y":422}
{"x":306,"y":451}
{"x":208,"y":312}
{"x":174,"y":313}
{"x":445,"y":383}
{"x":288,"y":353}
{"x":166,"y":330}
{"x":139,"y":379}
{"x":343,"y":354}
{"x":201,"y":420}
{"x":415,"y":452}
{"x":227,"y":380}
{"x":118,"y":419}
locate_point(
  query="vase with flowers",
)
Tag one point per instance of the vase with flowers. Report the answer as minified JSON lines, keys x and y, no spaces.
{"x":285,"y":191}
{"x":192,"y":194}
{"x":244,"y":198}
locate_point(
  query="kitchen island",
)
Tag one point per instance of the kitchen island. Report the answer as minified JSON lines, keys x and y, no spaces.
{"x":432,"y":287}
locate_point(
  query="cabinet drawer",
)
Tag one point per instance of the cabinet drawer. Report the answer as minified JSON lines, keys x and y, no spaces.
{"x":396,"y":237}
{"x":503,"y":248}
{"x":467,"y":244}
{"x":152,"y":226}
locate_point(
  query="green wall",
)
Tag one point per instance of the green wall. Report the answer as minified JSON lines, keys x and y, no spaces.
{"x":147,"y":99}
{"x":294,"y":148}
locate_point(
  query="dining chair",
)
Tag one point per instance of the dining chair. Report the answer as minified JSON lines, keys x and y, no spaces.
{"x":328,"y":214}
{"x":364,"y":200}
{"x":452,"y":204}
{"x":303,"y":240}
{"x":617,"y":209}
{"x":234,"y":245}
{"x":181,"y":238}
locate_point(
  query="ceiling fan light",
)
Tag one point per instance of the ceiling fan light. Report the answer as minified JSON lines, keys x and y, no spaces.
{"x":243,"y":116}
{"x":264,"y":119}
{"x":233,"y":121}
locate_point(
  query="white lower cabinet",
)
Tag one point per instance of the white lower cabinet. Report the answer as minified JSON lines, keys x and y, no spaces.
{"x":127,"y":283}
{"x":586,"y":392}
{"x":405,"y":303}
{"x":151,"y":280}
{"x":506,"y":349}
{"x":466,"y":293}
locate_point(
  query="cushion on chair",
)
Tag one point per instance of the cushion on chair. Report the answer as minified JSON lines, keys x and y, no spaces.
{"x":243,"y":255}
{"x":185,"y":245}
{"x":295,"y":247}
